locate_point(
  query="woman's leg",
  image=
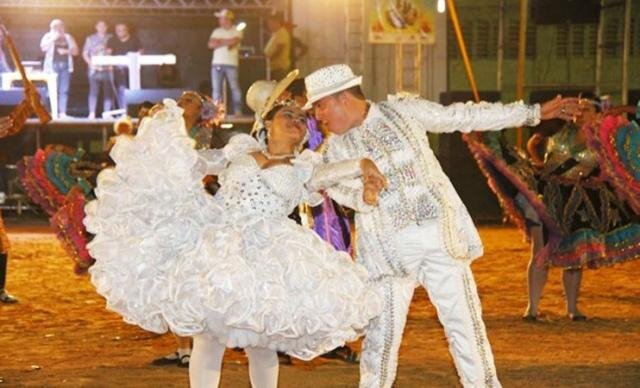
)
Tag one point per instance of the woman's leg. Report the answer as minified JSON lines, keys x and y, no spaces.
{"x":206,"y":362}
{"x":571,"y":279}
{"x":536,"y":275}
{"x":263,"y":367}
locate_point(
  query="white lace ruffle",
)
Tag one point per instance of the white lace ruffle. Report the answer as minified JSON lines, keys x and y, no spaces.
{"x":168,"y":257}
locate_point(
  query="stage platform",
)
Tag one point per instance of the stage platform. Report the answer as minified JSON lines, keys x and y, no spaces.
{"x":93,"y":134}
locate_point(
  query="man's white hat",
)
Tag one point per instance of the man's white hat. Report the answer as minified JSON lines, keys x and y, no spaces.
{"x":329,"y":80}
{"x":225,"y":13}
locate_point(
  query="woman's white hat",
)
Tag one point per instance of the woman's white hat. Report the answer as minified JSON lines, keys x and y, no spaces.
{"x":329,"y":80}
{"x":259,"y":93}
{"x":263,"y":94}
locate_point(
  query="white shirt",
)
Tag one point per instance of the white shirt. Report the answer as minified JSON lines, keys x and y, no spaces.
{"x":393,"y":135}
{"x":47,"y":43}
{"x":224,"y":55}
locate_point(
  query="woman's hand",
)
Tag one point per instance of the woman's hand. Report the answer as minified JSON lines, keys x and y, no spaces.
{"x":373,"y":181}
{"x":370,"y":194}
{"x":371,"y":174}
{"x":561,"y":108}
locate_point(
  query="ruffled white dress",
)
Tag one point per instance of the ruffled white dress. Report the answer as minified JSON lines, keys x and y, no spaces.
{"x":234,"y":267}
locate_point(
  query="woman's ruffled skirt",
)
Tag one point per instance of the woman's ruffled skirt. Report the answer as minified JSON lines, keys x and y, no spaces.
{"x":169,"y":258}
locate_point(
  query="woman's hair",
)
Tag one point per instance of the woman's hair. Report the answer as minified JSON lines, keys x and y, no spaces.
{"x":297,"y":88}
{"x":593,"y":99}
{"x":261,"y":134}
{"x":272,"y":113}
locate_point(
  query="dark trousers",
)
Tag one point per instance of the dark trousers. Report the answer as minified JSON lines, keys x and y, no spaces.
{"x":3,"y":270}
{"x":98,"y":80}
{"x":121,"y":83}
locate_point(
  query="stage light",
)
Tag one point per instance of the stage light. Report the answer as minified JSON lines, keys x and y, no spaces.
{"x":226,"y":126}
{"x":442,"y":6}
{"x":241,"y":26}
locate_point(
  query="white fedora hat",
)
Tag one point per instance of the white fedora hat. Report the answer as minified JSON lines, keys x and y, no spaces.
{"x":329,"y":80}
{"x":258,"y":94}
{"x":263,"y":94}
{"x":225,"y":13}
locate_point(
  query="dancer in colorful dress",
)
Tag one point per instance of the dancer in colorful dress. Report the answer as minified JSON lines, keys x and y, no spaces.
{"x":565,"y":202}
{"x":230,"y":270}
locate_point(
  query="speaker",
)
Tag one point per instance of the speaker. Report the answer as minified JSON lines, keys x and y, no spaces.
{"x":458,"y":163}
{"x":252,"y":69}
{"x":9,"y":98}
{"x":563,"y":11}
{"x":633,"y":96}
{"x":539,"y":96}
{"x":136,"y":97}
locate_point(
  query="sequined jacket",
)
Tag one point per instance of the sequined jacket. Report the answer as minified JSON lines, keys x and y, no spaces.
{"x":394,"y":136}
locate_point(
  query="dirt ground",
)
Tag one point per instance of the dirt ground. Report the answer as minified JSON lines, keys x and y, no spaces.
{"x":61,"y":335}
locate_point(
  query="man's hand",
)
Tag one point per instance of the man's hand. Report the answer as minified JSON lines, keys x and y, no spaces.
{"x":5,"y":125}
{"x":561,"y":108}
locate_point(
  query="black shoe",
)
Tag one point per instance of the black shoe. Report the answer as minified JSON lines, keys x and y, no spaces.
{"x":530,"y":318}
{"x":7,"y":298}
{"x":343,"y":353}
{"x":184,"y":361}
{"x":284,"y":359}
{"x":169,"y":359}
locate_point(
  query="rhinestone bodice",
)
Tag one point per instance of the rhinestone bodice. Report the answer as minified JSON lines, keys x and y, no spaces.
{"x":249,"y":190}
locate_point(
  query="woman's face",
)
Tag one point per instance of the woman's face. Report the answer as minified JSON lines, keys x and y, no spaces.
{"x":191,"y":104}
{"x":289,"y":125}
{"x":589,"y":113}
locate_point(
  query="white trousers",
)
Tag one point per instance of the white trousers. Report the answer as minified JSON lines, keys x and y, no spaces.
{"x":452,"y":290}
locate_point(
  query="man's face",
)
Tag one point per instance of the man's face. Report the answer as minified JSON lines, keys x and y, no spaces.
{"x":101,"y":27}
{"x":225,"y":22}
{"x":122,"y":31}
{"x":58,"y":27}
{"x":273,"y":25}
{"x":332,"y":113}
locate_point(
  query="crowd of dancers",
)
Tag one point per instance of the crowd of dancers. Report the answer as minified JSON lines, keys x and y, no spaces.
{"x":199,"y":241}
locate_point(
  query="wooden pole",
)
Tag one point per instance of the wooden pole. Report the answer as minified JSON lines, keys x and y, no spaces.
{"x":522,"y":51}
{"x":417,"y":75}
{"x":625,"y":52}
{"x":500,"y":58}
{"x":399,"y":68}
{"x":599,"y":49}
{"x":453,"y":14}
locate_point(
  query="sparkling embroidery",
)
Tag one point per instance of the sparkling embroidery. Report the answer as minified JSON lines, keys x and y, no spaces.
{"x":479,"y":333}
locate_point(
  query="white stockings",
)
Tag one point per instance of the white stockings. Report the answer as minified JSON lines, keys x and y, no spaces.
{"x":206,"y":362}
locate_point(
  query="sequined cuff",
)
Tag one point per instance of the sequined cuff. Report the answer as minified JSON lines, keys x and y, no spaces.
{"x":533,"y":115}
{"x":327,"y":175}
{"x":350,"y":196}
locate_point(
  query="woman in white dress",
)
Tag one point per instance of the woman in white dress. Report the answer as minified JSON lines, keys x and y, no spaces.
{"x":230,"y":270}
